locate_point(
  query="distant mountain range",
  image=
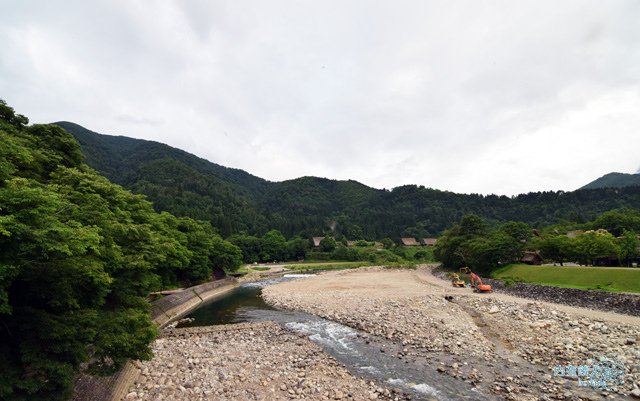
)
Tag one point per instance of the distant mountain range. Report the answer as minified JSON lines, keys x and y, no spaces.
{"x":614,"y":180}
{"x":236,"y":201}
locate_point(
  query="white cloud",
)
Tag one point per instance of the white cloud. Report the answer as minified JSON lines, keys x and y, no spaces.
{"x":472,"y":97}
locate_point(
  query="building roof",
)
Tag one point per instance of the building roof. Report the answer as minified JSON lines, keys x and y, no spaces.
{"x":531,"y":257}
{"x":429,"y":241}
{"x":409,"y":242}
{"x":316,"y":240}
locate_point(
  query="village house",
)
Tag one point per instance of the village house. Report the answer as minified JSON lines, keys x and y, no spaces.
{"x":316,"y":241}
{"x":531,"y":258}
{"x":428,"y":241}
{"x":409,"y":242}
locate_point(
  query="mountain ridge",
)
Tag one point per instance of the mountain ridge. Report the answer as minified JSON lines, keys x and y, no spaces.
{"x":614,"y":180}
{"x":237,"y":201}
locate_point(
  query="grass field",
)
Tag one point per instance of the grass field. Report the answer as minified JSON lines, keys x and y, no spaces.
{"x":601,"y":278}
{"x":310,"y":266}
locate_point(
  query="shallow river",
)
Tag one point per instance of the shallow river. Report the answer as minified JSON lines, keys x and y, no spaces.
{"x":364,"y":355}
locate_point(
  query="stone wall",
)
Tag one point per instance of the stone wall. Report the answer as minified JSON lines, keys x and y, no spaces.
{"x":617,"y":302}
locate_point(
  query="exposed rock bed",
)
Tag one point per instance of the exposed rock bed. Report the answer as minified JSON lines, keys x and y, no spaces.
{"x":617,"y":302}
{"x":506,"y":348}
{"x":603,"y":300}
{"x":257,"y":361}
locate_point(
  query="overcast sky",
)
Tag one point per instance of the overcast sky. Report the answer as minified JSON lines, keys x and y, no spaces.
{"x":497,"y":97}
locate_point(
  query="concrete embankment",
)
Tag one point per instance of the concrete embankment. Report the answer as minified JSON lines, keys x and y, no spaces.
{"x":163,"y":311}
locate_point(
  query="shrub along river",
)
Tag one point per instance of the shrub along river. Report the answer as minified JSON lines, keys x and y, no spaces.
{"x":364,"y":355}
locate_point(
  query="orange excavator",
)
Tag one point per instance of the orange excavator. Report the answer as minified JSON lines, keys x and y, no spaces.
{"x":476,"y":281}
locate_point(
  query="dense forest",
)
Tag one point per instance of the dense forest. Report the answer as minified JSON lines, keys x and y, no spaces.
{"x":78,"y":257}
{"x":235,"y":201}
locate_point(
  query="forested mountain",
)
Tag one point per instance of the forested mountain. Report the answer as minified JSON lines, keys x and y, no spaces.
{"x":236,"y":201}
{"x":614,"y":180}
{"x":176,"y":180}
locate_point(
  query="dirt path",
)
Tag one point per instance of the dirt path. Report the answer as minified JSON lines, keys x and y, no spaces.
{"x":505,"y":345}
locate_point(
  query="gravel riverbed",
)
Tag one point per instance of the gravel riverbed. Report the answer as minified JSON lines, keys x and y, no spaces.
{"x":246,"y":361}
{"x":506,"y":346}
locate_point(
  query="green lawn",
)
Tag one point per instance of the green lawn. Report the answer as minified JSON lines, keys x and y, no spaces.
{"x":602,"y":278}
{"x":307,"y":266}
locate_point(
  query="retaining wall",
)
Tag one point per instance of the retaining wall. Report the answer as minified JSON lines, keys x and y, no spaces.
{"x":617,"y":302}
{"x":163,"y":311}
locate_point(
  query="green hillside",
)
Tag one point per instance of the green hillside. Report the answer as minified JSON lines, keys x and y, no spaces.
{"x":614,"y":180}
{"x":234,"y":200}
{"x":176,"y":180}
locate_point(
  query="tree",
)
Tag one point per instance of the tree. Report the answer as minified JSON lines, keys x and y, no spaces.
{"x":558,"y":248}
{"x":328,"y":244}
{"x":629,"y":247}
{"x":8,"y":115}
{"x":595,"y":244}
{"x":249,"y":245}
{"x":297,"y":247}
{"x":472,"y":225}
{"x":618,"y":220}
{"x":224,"y":254}
{"x":78,"y":257}
{"x":273,"y":246}
{"x":388,"y":243}
{"x":517,"y":230}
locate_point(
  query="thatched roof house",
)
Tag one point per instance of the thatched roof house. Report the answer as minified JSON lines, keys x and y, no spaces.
{"x":428,"y":241}
{"x":316,"y":241}
{"x":531,"y":258}
{"x":409,"y":242}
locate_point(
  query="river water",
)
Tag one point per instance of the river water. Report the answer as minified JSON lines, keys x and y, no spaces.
{"x":364,"y":355}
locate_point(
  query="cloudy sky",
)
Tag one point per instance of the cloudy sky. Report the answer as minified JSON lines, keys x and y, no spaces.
{"x":470,"y":96}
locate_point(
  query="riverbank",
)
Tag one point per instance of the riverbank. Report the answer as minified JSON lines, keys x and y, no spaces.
{"x":507,"y":346}
{"x":247,"y":361}
{"x":163,"y":312}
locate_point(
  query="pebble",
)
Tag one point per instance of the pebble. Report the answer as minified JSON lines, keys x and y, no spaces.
{"x":219,"y":362}
{"x":530,"y":334}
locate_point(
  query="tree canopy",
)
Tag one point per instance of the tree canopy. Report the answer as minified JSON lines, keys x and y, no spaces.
{"x":78,"y":256}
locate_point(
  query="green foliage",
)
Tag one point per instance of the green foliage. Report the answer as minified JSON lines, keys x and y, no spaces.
{"x":388,"y":243}
{"x":9,"y":116}
{"x":471,"y":243}
{"x":78,"y":256}
{"x":617,"y":220}
{"x":614,"y":180}
{"x":628,"y":247}
{"x":467,"y":243}
{"x":517,"y":230}
{"x":595,"y":244}
{"x":557,"y":248}
{"x":224,"y":254}
{"x":328,"y":244}
{"x":297,"y":248}
{"x":273,"y":247}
